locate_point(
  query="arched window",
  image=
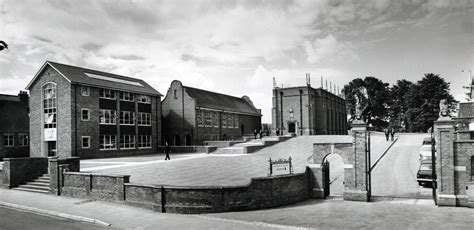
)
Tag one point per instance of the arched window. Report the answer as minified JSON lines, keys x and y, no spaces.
{"x":49,"y":105}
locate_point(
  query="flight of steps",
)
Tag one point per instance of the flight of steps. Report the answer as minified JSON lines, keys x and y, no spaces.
{"x":252,"y":146}
{"x":40,"y":185}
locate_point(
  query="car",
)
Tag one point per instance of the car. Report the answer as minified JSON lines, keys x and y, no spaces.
{"x":425,"y":174}
{"x":425,"y":153}
{"x":427,"y":141}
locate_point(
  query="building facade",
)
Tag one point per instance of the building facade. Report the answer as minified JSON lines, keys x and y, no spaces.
{"x":91,"y":114}
{"x":14,"y":125}
{"x":308,"y":111}
{"x":466,"y":109}
{"x":191,"y":116}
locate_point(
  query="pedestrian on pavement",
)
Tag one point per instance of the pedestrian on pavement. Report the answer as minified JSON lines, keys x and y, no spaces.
{"x":387,"y":132}
{"x":278,"y":132}
{"x":167,"y":150}
{"x":392,"y":133}
{"x":255,"y":134}
{"x":261,"y":134}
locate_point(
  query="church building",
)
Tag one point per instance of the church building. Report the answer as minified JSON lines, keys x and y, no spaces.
{"x":305,"y":110}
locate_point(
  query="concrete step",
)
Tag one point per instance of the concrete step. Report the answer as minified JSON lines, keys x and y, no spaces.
{"x":42,"y":180}
{"x":39,"y":183}
{"x":31,"y":190}
{"x":34,"y":187}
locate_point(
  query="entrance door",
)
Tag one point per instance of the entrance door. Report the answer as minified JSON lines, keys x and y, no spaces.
{"x":187,"y":140}
{"x":291,"y":127}
{"x":326,"y":179}
{"x":52,"y":149}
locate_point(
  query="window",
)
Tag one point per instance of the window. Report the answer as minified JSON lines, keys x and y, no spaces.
{"x":144,"y":119}
{"x":86,"y":142}
{"x":108,"y":142}
{"x":107,"y":116}
{"x":107,"y":94}
{"x":175,"y":94}
{"x":224,"y":120}
{"x":144,"y":141}
{"x":127,"y":142}
{"x":236,"y":121}
{"x":8,"y":140}
{"x":49,"y":105}
{"x":85,"y":114}
{"x":126,"y":96}
{"x":200,"y":122}
{"x":85,"y":91}
{"x":230,"y":120}
{"x":127,"y":118}
{"x":144,"y":99}
{"x":23,"y":139}
{"x":208,"y":118}
{"x":215,"y":119}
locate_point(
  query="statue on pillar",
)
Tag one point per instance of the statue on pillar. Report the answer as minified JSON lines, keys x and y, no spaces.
{"x":443,"y":108}
{"x":360,"y":95}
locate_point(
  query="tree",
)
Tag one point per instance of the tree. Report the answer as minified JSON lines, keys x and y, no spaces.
{"x":398,"y":106}
{"x":423,"y":101}
{"x":375,"y":104}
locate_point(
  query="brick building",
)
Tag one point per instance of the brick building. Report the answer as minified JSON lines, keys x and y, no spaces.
{"x":14,"y":125}
{"x":191,"y":116}
{"x":308,"y":111}
{"x":91,"y":114}
{"x":466,"y":109}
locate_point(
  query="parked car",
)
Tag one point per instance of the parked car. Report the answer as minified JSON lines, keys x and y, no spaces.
{"x":425,"y":153}
{"x":425,"y":174}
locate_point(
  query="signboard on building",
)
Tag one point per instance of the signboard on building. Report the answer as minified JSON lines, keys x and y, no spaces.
{"x":50,"y":134}
{"x":280,"y":166}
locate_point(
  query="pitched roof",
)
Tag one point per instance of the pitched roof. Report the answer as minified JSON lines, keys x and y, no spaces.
{"x":14,"y":114}
{"x":83,"y":76}
{"x":466,"y":110}
{"x":212,"y":100}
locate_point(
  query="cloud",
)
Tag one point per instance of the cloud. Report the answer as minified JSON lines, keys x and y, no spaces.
{"x":328,"y":49}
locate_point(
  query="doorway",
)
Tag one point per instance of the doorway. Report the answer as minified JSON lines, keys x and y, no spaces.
{"x":292,"y":127}
{"x":52,"y":152}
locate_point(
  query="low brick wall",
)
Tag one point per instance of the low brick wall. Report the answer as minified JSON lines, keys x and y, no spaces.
{"x":17,"y":171}
{"x":56,"y":165}
{"x":265,"y":192}
{"x":96,"y":186}
{"x":221,"y":144}
{"x":189,"y":149}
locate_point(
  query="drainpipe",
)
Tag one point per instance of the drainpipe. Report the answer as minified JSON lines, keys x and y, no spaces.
{"x":301,"y":112}
{"x":281,"y":111}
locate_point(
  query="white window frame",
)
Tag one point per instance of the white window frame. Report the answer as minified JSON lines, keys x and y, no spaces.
{"x":127,"y":96}
{"x":107,"y":94}
{"x":207,"y":118}
{"x":21,"y":139}
{"x":146,"y":97}
{"x":144,"y":119}
{"x":230,"y":120}
{"x":88,"y":142}
{"x":127,"y":142}
{"x":112,"y":117}
{"x":106,"y":143}
{"x":200,"y":118}
{"x":85,"y":91}
{"x":88,"y":115}
{"x":130,"y":120}
{"x":7,"y":137}
{"x":215,"y":120}
{"x":224,"y":120}
{"x":144,"y":142}
{"x":236,"y":121}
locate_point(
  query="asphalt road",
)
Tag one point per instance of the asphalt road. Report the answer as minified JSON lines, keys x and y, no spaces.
{"x":14,"y":219}
{"x":395,"y":175}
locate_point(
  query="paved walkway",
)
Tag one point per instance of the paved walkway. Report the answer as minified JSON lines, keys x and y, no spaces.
{"x":216,"y":169}
{"x":314,"y":214}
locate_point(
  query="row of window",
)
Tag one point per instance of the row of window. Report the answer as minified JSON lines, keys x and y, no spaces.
{"x":207,"y":118}
{"x":9,"y":140}
{"x":107,"y":116}
{"x":112,"y":94}
{"x":109,"y":142}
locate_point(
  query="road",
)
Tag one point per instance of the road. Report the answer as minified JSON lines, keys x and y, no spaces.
{"x":13,"y":219}
{"x":395,"y":175}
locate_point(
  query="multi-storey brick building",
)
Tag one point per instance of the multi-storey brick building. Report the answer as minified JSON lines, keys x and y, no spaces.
{"x":308,"y":111}
{"x":191,"y":116}
{"x":90,"y":114}
{"x":14,"y":123}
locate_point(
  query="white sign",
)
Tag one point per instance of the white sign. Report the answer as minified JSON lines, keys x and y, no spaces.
{"x":280,"y":168}
{"x":50,"y":134}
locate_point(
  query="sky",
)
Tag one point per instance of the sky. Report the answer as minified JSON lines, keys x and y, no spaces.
{"x":237,"y":47}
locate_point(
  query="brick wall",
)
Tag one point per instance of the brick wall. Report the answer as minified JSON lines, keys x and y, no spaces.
{"x":16,"y":150}
{"x":96,"y":186}
{"x":17,"y":171}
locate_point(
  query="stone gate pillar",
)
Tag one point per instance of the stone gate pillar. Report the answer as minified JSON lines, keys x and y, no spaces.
{"x":355,"y":168}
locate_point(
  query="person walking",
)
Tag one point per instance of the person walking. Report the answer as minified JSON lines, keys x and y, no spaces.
{"x":387,"y":132}
{"x":261,"y":134}
{"x":278,"y":132}
{"x":255,"y":134}
{"x":167,"y":150}
{"x":392,"y":133}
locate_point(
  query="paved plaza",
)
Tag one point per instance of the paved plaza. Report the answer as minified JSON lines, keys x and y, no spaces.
{"x":201,"y":169}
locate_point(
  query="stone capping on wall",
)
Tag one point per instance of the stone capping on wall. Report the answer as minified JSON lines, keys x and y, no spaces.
{"x":189,"y":149}
{"x":222,"y":144}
